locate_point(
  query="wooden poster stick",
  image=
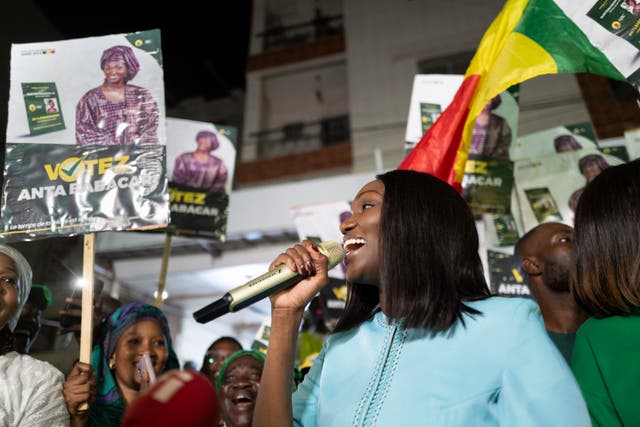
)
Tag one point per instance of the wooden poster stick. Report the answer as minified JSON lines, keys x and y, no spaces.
{"x":86,"y":325}
{"x":163,"y":270}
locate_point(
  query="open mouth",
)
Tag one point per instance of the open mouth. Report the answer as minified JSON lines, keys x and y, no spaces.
{"x":243,"y":400}
{"x":353,"y":244}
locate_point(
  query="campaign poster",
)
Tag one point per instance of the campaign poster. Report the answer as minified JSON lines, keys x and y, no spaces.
{"x":431,"y":94}
{"x":85,"y":137}
{"x":496,"y":126}
{"x":632,"y":140}
{"x":548,"y":188}
{"x":200,"y":165}
{"x":501,"y":230}
{"x":559,"y":139}
{"x":619,"y":151}
{"x":618,"y":147}
{"x":488,"y":178}
{"x":620,"y":17}
{"x":487,"y":184}
{"x":505,"y":276}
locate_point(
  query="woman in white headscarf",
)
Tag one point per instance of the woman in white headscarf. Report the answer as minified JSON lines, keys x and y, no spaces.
{"x":30,"y":389}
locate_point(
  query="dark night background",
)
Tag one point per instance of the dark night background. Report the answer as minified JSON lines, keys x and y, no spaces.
{"x":204,"y":44}
{"x":204,"y":48}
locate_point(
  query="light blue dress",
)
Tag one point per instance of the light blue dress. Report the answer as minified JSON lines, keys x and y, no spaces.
{"x":500,"y":370}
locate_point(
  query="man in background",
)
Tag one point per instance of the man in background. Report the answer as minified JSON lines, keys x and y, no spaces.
{"x":545,"y":256}
{"x":30,"y":322}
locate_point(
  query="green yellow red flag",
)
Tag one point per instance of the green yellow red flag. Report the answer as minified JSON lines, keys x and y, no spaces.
{"x":530,"y":38}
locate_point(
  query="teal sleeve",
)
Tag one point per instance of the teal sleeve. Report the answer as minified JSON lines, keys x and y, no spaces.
{"x":538,"y":388}
{"x":588,"y":374}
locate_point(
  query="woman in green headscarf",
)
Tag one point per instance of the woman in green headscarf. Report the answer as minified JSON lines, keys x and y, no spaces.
{"x":113,"y":380}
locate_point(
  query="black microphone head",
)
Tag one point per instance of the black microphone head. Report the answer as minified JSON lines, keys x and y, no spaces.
{"x":263,"y":286}
{"x":213,"y":310}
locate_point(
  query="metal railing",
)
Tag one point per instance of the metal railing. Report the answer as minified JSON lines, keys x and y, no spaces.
{"x":300,"y":137}
{"x":282,"y":36}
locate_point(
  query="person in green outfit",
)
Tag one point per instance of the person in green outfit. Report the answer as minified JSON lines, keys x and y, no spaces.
{"x":545,"y":260}
{"x":605,"y":281}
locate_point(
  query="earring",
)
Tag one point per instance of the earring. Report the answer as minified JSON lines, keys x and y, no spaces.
{"x":112,"y":364}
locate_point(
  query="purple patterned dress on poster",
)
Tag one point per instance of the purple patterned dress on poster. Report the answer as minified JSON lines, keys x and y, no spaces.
{"x":210,"y":176}
{"x":132,"y":122}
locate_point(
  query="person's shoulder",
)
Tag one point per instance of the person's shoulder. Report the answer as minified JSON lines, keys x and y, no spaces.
{"x":374,"y":324}
{"x":92,"y":93}
{"x":504,"y":304}
{"x":26,"y":365}
{"x":138,"y":89}
{"x":38,"y":365}
{"x":505,"y":310}
{"x":607,"y":325}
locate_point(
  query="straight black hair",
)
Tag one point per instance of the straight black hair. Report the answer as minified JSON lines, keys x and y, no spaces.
{"x":429,"y":257}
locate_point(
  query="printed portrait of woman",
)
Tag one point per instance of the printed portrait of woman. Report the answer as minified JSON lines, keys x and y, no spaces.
{"x":633,"y":6}
{"x":491,"y":133}
{"x":563,"y":143}
{"x":590,"y":166}
{"x":199,"y":168}
{"x":51,"y":106}
{"x":116,"y":112}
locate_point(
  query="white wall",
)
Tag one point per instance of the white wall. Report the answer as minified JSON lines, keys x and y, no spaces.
{"x":293,"y":96}
{"x":286,"y":94}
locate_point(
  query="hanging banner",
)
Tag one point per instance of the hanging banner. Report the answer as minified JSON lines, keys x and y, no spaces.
{"x":85,"y":137}
{"x":200,"y":164}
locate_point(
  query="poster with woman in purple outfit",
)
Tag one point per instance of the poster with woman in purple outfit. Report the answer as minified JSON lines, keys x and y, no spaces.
{"x":199,"y":168}
{"x":117,"y":112}
{"x":200,"y":164}
{"x":86,"y":137}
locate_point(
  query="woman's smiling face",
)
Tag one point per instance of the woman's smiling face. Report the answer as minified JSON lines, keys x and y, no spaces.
{"x":8,"y":289}
{"x":361,"y":235}
{"x":144,"y":336}
{"x":239,"y":390}
{"x":115,"y":71}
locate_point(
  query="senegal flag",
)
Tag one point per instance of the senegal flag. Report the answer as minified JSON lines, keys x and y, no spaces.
{"x":531,"y":38}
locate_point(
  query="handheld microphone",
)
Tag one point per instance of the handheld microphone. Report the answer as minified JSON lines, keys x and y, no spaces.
{"x":262,"y":286}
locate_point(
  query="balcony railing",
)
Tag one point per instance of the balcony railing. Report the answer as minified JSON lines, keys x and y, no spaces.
{"x":278,"y":37}
{"x":300,"y":137}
